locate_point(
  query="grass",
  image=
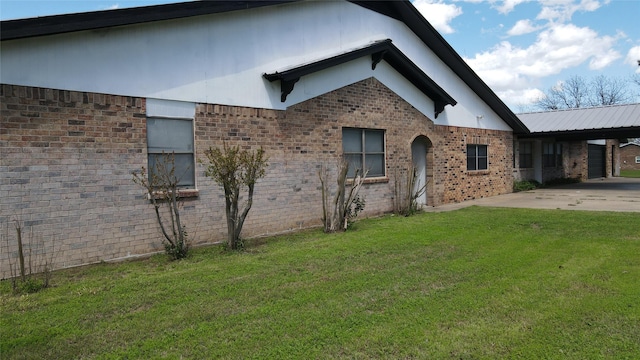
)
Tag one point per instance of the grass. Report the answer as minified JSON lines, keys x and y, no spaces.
{"x":471,"y":284}
{"x":630,"y":173}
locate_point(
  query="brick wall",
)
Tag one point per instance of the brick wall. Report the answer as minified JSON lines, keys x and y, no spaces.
{"x":67,"y":159}
{"x":453,"y":183}
{"x":612,"y":154}
{"x":628,"y":157}
{"x":66,"y":162}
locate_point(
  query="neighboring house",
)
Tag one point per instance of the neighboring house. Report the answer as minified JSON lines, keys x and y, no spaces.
{"x":87,"y":99}
{"x":574,"y":143}
{"x":630,"y":156}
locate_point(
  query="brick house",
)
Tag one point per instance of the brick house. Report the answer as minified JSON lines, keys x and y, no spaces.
{"x":578,"y":143}
{"x":630,"y":156}
{"x":87,"y":99}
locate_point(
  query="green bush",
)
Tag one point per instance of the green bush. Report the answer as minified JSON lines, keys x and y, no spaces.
{"x":525,"y":185}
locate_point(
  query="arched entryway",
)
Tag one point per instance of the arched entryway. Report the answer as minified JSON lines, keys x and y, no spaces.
{"x":420,"y":154}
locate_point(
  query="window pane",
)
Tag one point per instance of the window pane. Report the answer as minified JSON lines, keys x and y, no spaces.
{"x":525,"y":148}
{"x":526,"y":160}
{"x":471,"y":163}
{"x":548,"y":160}
{"x":169,"y":135}
{"x":184,"y":167}
{"x":355,"y":162}
{"x":482,"y":150}
{"x":558,"y":155}
{"x":375,"y":165}
{"x":471,"y":151}
{"x":351,"y":140}
{"x":374,"y":141}
{"x":482,"y":163}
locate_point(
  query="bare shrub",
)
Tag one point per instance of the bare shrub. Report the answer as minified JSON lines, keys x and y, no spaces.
{"x":406,"y":193}
{"x":33,"y":269}
{"x":340,"y":212}
{"x":161,"y":186}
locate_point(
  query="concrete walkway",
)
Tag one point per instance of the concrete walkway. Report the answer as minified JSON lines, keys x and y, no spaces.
{"x":611,"y":194}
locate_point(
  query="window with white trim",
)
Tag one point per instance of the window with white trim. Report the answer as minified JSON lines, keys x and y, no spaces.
{"x":364,"y":149}
{"x":172,"y":136}
{"x":637,"y":159}
{"x":477,"y":157}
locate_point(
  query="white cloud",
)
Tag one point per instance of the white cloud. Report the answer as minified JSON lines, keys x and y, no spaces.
{"x":633,"y":58}
{"x":510,"y":69}
{"x":563,"y":10}
{"x":508,"y":5}
{"x":521,"y":99}
{"x":515,"y":70}
{"x":438,"y":13}
{"x":112,"y":7}
{"x":603,"y":60}
{"x":522,"y":27}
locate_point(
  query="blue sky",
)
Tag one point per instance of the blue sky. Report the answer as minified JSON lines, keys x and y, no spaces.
{"x":522,"y":47}
{"x":518,"y":47}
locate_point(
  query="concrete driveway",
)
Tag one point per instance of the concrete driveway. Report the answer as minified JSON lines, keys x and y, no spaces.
{"x":612,"y":194}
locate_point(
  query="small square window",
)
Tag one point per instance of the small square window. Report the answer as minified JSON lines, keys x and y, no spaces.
{"x":477,"y":157}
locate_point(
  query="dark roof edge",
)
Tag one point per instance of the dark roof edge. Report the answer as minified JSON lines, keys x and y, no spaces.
{"x":59,"y":24}
{"x":587,"y":134}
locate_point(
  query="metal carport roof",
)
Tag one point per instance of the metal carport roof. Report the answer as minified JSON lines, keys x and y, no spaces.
{"x":606,"y":122}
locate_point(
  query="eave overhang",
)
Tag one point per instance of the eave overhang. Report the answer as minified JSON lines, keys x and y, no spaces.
{"x":379,"y":50}
{"x":586,"y":134}
{"x":60,"y":24}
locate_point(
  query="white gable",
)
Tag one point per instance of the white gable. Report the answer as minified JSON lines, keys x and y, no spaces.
{"x":220,"y":59}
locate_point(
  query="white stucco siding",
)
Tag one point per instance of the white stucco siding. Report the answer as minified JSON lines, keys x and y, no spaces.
{"x":469,"y":106}
{"x":220,"y":59}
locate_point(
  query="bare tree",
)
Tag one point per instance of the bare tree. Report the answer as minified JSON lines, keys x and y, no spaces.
{"x":609,"y":91}
{"x":576,"y":92}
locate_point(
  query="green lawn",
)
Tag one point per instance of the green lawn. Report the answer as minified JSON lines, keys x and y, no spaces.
{"x":477,"y":283}
{"x":630,"y":173}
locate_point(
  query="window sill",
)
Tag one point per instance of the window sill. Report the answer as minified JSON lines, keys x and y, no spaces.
{"x":478,"y":172}
{"x":182,"y":194}
{"x":374,"y":180}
